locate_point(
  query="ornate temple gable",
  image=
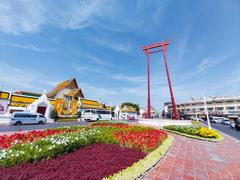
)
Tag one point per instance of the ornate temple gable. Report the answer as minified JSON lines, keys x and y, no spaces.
{"x":71,"y":85}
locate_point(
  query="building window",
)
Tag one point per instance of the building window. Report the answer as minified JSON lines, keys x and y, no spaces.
{"x":231,"y":108}
{"x":210,"y":109}
{"x":201,"y":109}
{"x":219,"y":108}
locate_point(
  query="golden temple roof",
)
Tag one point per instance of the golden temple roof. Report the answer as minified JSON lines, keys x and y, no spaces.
{"x":71,"y":83}
{"x":91,"y":104}
{"x":73,"y":92}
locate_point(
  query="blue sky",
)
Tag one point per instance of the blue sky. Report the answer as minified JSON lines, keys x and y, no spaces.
{"x":99,"y":43}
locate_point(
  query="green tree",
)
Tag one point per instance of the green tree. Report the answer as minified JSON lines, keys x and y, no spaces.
{"x":136,"y":106}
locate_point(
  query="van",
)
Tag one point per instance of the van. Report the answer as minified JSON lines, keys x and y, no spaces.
{"x":19,"y":118}
{"x":90,"y":115}
{"x":105,"y":115}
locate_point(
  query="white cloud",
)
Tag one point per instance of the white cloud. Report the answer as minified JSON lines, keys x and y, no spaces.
{"x":30,"y":47}
{"x":181,"y":47}
{"x":78,"y":14}
{"x":21,"y":16}
{"x":125,"y":77}
{"x":208,"y":63}
{"x":100,"y":61}
{"x":17,"y":78}
{"x":83,"y":69}
{"x":117,"y":46}
{"x":29,"y":16}
{"x":13,"y":78}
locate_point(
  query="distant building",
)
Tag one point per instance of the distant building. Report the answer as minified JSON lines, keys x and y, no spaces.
{"x":228,"y":106}
{"x":128,"y":112}
{"x":143,"y":113}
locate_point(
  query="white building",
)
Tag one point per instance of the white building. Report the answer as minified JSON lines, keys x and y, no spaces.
{"x":222,"y":106}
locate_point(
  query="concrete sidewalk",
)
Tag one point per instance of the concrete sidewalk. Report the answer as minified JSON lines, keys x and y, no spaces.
{"x":195,"y":159}
{"x":163,"y":122}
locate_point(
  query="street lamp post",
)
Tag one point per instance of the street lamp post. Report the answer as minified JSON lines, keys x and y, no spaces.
{"x":196,"y":113}
{"x":195,"y":108}
{"x":206,"y":111}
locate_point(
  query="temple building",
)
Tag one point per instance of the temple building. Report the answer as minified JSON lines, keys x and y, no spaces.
{"x":67,"y":95}
{"x":20,"y":100}
{"x":66,"y":98}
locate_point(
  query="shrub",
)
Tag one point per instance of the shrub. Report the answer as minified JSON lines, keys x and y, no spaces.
{"x":66,"y":119}
{"x":108,"y":123}
{"x":54,"y":114}
{"x":207,"y":133}
{"x":192,"y":130}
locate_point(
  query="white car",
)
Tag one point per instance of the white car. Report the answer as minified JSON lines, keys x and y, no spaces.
{"x":216,"y":119}
{"x":19,"y":118}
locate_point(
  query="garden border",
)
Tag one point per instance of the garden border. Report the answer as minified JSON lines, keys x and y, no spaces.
{"x":220,"y":139}
{"x":140,"y":168}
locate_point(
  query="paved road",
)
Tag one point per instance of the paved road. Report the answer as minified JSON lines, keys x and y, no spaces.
{"x":8,"y":128}
{"x":226,"y":129}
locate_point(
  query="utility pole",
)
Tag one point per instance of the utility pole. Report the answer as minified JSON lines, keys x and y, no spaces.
{"x":206,"y":111}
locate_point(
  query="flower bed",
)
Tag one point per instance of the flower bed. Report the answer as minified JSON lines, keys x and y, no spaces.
{"x":7,"y":141}
{"x":49,"y":146}
{"x":91,"y":162}
{"x":198,"y":132}
{"x":138,"y":169}
{"x":145,"y":138}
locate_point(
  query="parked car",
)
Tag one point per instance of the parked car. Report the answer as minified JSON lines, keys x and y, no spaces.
{"x":216,"y":119}
{"x":90,"y":115}
{"x":226,"y":122}
{"x":232,"y":124}
{"x":237,"y":124}
{"x":19,"y":118}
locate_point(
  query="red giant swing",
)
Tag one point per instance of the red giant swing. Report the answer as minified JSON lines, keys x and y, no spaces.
{"x":154,"y":48}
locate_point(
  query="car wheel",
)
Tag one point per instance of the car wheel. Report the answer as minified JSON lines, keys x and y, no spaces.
{"x":40,"y":122}
{"x":18,"y":123}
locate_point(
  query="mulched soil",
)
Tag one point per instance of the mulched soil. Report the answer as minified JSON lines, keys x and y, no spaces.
{"x":93,"y":162}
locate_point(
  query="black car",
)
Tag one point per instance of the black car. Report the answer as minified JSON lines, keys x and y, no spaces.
{"x":237,"y":124}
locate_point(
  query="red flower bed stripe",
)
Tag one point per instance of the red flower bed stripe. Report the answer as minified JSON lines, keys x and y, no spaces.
{"x":6,"y":141}
{"x":146,"y":140}
{"x":92,"y":162}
